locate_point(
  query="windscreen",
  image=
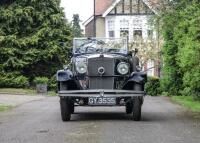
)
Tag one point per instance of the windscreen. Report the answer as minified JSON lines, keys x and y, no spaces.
{"x":100,"y":45}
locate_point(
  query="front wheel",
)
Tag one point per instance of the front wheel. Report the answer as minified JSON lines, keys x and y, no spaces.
{"x":129,"y":107}
{"x":72,"y":107}
{"x":65,"y":107}
{"x":137,"y":109}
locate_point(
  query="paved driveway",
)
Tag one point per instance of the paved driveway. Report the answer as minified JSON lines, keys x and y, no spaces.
{"x":15,"y":100}
{"x":40,"y":122}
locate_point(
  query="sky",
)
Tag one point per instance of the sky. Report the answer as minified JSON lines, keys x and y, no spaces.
{"x":82,"y":7}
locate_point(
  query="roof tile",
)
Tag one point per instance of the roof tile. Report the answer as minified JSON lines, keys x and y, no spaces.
{"x":102,"y":5}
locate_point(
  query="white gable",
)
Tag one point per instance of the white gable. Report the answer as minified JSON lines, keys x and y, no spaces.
{"x":129,"y":7}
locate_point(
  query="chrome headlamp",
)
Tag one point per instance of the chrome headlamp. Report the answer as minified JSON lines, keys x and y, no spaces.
{"x":123,"y":68}
{"x":81,"y":65}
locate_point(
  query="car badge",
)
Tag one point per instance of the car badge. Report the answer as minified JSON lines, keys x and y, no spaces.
{"x":101,"y":55}
{"x":101,"y":70}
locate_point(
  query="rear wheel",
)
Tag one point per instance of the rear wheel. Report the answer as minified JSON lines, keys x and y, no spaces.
{"x":65,"y":107}
{"x":137,"y":109}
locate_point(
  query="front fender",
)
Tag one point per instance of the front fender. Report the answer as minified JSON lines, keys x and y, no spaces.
{"x":64,"y":75}
{"x":66,"y":81}
{"x":136,"y":78}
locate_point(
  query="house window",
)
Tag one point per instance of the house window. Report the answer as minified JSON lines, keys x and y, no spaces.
{"x":150,"y":67}
{"x":137,"y":34}
{"x":124,"y":24}
{"x":111,"y":34}
{"x":111,"y":25}
{"x":111,"y":28}
{"x":124,"y":33}
{"x":124,"y":28}
{"x":137,"y":23}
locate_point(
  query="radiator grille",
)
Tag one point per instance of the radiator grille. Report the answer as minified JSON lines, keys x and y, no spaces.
{"x":95,"y":80}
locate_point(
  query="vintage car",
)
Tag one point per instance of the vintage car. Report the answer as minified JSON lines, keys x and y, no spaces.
{"x":102,"y":72}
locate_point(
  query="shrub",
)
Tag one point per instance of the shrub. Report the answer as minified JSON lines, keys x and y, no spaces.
{"x":152,"y":86}
{"x":13,"y":80}
{"x":41,"y":80}
{"x":52,"y":83}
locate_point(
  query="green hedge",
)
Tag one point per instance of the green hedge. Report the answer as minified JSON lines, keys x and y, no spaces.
{"x":41,"y":80}
{"x":152,"y":86}
{"x":13,"y":80}
{"x":181,"y":51}
{"x":51,"y":82}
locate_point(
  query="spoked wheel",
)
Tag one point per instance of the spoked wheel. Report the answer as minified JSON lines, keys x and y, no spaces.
{"x":129,"y":107}
{"x":65,"y":107}
{"x":137,"y":109}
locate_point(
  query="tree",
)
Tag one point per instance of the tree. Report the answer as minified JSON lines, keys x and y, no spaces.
{"x":6,"y":2}
{"x":147,"y":50}
{"x":77,"y":31}
{"x":30,"y":35}
{"x":188,"y":41}
{"x":172,"y":79}
{"x":181,"y":48}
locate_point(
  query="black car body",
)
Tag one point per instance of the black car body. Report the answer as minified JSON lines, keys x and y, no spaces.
{"x":102,"y":73}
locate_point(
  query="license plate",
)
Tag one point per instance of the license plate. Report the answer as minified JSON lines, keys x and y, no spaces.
{"x":102,"y":101}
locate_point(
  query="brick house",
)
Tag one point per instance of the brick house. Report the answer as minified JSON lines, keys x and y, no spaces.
{"x":117,"y":18}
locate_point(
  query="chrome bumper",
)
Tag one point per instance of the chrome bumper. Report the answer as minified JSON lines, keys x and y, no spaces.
{"x":100,"y":93}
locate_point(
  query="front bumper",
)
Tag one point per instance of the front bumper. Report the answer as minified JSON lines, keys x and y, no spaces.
{"x":100,"y":93}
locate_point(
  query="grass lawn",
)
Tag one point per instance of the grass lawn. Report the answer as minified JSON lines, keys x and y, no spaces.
{"x":24,"y":91}
{"x":188,"y":102}
{"x":17,"y":91}
{"x":4,"y":107}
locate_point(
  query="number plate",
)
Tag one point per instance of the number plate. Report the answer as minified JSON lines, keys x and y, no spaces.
{"x":102,"y":101}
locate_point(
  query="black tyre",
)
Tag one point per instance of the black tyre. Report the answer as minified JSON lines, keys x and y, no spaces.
{"x":137,"y":109}
{"x":129,"y":107}
{"x":65,"y":107}
{"x":72,"y":107}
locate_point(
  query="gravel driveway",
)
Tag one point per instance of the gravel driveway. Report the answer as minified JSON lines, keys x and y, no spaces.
{"x":40,"y":122}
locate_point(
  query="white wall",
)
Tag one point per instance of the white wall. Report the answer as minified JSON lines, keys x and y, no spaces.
{"x":150,"y":67}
